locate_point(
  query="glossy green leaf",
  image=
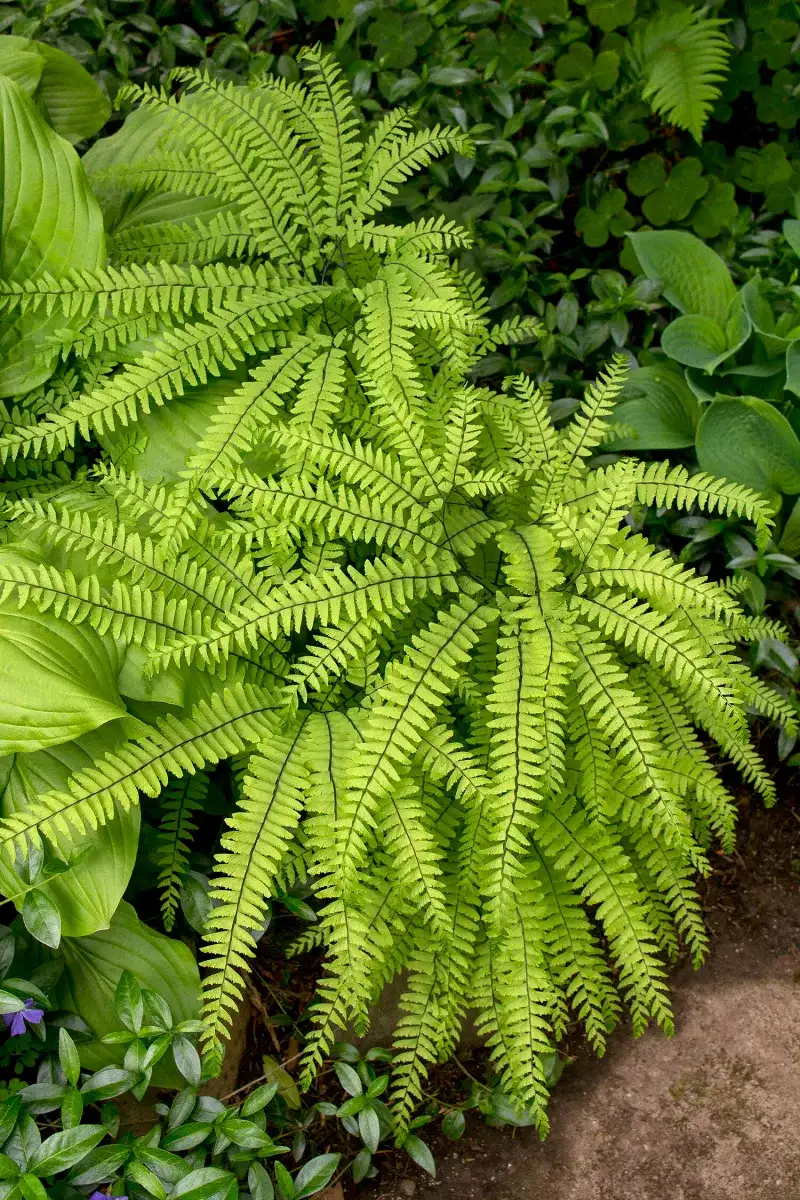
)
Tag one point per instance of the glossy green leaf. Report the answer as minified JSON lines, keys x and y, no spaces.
{"x":99,"y":1165}
{"x":421,"y":1153}
{"x":206,"y":1183}
{"x":187,"y":1060}
{"x":287,"y":1088}
{"x":369,"y":1128}
{"x":31,"y":1188}
{"x":68,"y":1056}
{"x":694,"y":277}
{"x":259,"y":1098}
{"x":746,"y":440}
{"x":9,"y":1002}
{"x":657,"y":410}
{"x":259,"y":1183}
{"x":50,"y":224}
{"x":42,"y":919}
{"x":63,"y":1150}
{"x":314,"y":1175}
{"x":348,"y":1078}
{"x":128,"y":1001}
{"x":453,"y":1125}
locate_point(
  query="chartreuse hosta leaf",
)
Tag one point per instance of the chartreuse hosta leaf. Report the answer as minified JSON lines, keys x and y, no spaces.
{"x":657,"y":410}
{"x":694,"y":277}
{"x":51,"y":223}
{"x":87,"y":888}
{"x":94,"y":965}
{"x":57,"y":681}
{"x":461,"y":693}
{"x":73,"y":104}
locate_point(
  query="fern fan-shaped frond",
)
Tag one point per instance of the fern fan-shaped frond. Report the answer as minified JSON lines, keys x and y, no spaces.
{"x":681,"y":57}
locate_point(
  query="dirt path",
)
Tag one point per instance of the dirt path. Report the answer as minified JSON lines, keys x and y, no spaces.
{"x":711,"y":1114}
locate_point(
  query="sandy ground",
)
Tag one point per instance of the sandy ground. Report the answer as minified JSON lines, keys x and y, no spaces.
{"x":710,"y":1114}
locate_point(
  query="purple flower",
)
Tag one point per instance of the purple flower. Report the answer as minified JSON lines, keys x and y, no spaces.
{"x":103,"y":1196}
{"x":16,"y":1021}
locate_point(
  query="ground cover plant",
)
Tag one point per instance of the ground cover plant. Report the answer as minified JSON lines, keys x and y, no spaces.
{"x":265,"y":515}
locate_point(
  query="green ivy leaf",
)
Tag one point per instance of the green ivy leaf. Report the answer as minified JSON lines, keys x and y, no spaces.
{"x":420,"y":1152}
{"x":63,"y":1150}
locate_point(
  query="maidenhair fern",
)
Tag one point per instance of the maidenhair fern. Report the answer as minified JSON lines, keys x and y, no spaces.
{"x":464,"y":698}
{"x":681,"y":57}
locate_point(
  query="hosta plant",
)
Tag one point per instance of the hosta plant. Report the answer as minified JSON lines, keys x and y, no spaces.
{"x":460,"y":695}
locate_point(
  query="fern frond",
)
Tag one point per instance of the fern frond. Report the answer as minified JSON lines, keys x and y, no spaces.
{"x":599,"y":868}
{"x":253,"y":847}
{"x":313,"y":600}
{"x":681,"y":57}
{"x":179,"y":801}
{"x":214,"y":730}
{"x":405,"y":708}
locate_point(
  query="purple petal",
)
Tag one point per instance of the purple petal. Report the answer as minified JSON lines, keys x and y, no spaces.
{"x":17,"y":1024}
{"x":98,"y":1196}
{"x":33,"y":1015}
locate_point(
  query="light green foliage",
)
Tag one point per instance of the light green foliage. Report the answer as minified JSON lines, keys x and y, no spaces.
{"x":682,"y":57}
{"x":408,"y":606}
{"x":71,"y":101}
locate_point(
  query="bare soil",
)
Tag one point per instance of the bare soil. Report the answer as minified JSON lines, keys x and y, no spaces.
{"x":710,"y":1114}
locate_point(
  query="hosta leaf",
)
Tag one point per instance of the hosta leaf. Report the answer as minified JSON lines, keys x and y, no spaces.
{"x":88,"y":892}
{"x":695,"y":341}
{"x":65,"y":92}
{"x":50,"y":224}
{"x":94,"y":965}
{"x":57,"y":681}
{"x":657,"y":410}
{"x":748,"y":441}
{"x":695,"y":279}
